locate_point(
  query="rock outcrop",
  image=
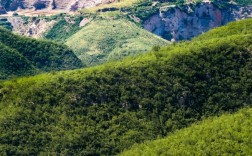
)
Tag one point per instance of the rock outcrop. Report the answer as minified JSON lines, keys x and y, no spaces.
{"x":174,"y":23}
{"x":34,"y":27}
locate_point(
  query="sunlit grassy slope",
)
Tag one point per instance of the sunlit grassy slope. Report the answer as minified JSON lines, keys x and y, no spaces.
{"x":225,"y":135}
{"x":111,"y":39}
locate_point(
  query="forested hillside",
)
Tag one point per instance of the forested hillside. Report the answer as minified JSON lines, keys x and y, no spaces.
{"x":105,"y":109}
{"x":13,"y":63}
{"x":25,"y":56}
{"x":225,"y":135}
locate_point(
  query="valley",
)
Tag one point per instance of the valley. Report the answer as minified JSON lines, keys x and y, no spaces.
{"x":172,"y":21}
{"x":106,"y":109}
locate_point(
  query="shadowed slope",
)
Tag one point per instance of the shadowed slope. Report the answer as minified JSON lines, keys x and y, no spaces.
{"x":40,"y":55}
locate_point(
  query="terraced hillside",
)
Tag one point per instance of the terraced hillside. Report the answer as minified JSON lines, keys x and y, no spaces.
{"x":105,"y":40}
{"x":25,"y":56}
{"x":105,"y":109}
{"x":225,"y":135}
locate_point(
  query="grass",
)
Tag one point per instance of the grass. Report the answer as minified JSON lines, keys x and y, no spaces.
{"x":111,"y":39}
{"x":242,"y":27}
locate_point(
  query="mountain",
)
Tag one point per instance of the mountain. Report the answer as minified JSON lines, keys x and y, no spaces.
{"x":184,"y":22}
{"x":171,"y":20}
{"x":225,"y":135}
{"x":67,"y":5}
{"x":105,"y":109}
{"x":23,"y":56}
{"x":104,"y":40}
{"x":73,"y":5}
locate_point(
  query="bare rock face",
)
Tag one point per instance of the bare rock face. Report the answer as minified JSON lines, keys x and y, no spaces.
{"x":35,"y":27}
{"x":173,"y":23}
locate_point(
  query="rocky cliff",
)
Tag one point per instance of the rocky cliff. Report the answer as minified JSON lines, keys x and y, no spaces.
{"x":68,"y":5}
{"x":183,"y":23}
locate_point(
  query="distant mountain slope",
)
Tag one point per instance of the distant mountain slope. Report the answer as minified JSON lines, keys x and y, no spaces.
{"x":105,"y":109}
{"x":95,"y":5}
{"x":64,"y":5}
{"x":104,"y":40}
{"x":225,"y":135}
{"x":33,"y":54}
{"x":173,"y":20}
{"x":183,"y":22}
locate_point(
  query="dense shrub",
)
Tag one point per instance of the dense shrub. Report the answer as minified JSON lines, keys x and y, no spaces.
{"x":225,"y":135}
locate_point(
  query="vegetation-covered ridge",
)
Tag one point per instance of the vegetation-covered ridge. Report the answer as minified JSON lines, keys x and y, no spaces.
{"x":104,"y":40}
{"x":242,"y":27}
{"x":25,"y":56}
{"x":13,"y":63}
{"x":105,"y":109}
{"x":226,"y":135}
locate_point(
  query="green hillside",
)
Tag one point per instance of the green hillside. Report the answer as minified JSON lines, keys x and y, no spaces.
{"x":106,"y":109}
{"x":242,"y":27}
{"x":104,"y":40}
{"x":65,"y":27}
{"x":23,"y":56}
{"x":5,"y":23}
{"x":225,"y":135}
{"x":13,"y":63}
